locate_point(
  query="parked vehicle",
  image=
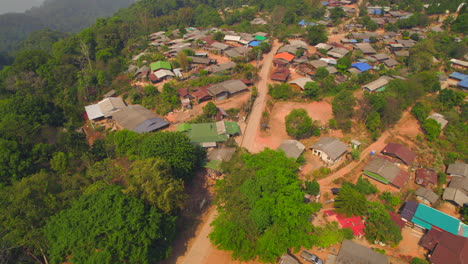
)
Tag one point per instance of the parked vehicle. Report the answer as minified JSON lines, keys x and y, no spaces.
{"x":335,"y":191}
{"x":307,"y":256}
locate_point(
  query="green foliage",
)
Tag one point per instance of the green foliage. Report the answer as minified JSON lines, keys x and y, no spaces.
{"x":311,"y":90}
{"x":420,"y":111}
{"x":379,"y":226}
{"x":330,"y":234}
{"x":441,"y":178}
{"x":110,"y":227}
{"x":321,"y":173}
{"x":350,"y":201}
{"x":363,"y":186}
{"x":431,"y":128}
{"x":337,"y":13}
{"x":355,"y":154}
{"x":210,"y":109}
{"x":176,"y":149}
{"x":299,"y":124}
{"x":373,"y":122}
{"x":281,"y":91}
{"x":261,"y":208}
{"x":312,"y":187}
{"x":418,"y":261}
{"x":449,"y":98}
{"x":316,"y":34}
{"x":420,"y":58}
{"x":151,"y":181}
{"x":321,"y":73}
{"x":390,"y":201}
{"x":343,"y":108}
{"x":206,"y":15}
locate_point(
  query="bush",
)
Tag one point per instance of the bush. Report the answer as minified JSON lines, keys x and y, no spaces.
{"x":282,"y":91}
{"x":312,"y":187}
{"x":355,"y":154}
{"x":299,"y":124}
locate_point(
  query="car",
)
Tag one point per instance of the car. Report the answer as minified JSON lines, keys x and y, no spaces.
{"x":335,"y":191}
{"x":307,"y":256}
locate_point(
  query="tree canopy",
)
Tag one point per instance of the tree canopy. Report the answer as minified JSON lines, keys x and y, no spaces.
{"x":299,"y":124}
{"x":106,"y":226}
{"x":261,"y":208}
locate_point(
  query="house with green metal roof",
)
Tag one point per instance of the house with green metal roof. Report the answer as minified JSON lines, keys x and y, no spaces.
{"x":208,"y":134}
{"x":428,"y":217}
{"x":160,"y":65}
{"x":260,"y":38}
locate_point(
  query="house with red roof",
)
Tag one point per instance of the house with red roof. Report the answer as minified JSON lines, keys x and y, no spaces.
{"x":280,"y":75}
{"x":445,"y":247}
{"x":425,"y":177}
{"x":284,"y":56}
{"x":201,"y":94}
{"x":400,"y":152}
{"x":355,"y":223}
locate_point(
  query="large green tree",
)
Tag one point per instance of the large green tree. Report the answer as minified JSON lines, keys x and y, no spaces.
{"x":106,"y":226}
{"x":350,"y":201}
{"x":261,"y":208}
{"x":299,"y":124}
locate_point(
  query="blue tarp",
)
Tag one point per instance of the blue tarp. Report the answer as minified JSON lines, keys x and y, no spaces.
{"x":361,"y":66}
{"x":254,"y":43}
{"x":458,"y":76}
{"x":325,"y":3}
{"x":376,"y":11}
{"x":366,"y":40}
{"x":353,"y":41}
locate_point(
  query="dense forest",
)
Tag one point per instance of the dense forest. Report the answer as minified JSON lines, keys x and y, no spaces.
{"x":52,"y":182}
{"x":59,"y":15}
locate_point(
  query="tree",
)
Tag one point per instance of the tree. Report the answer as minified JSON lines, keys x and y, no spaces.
{"x":312,"y":187}
{"x":176,"y":149}
{"x":210,"y":109}
{"x":350,"y":202}
{"x":363,"y":186}
{"x":337,"y":13}
{"x":432,"y":129}
{"x":151,"y":180}
{"x":299,"y":124}
{"x":311,"y":90}
{"x":420,"y":111}
{"x":280,"y":91}
{"x":106,"y":226}
{"x":343,"y":108}
{"x":316,"y":34}
{"x":321,"y":73}
{"x":330,"y":234}
{"x":373,"y":121}
{"x":450,"y":98}
{"x":379,"y":226}
{"x":25,"y":206}
{"x":261,"y":208}
{"x":420,"y":58}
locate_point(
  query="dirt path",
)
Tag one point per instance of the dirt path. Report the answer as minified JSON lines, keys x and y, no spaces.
{"x":253,"y":123}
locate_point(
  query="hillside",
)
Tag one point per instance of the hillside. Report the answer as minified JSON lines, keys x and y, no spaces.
{"x":60,"y":15}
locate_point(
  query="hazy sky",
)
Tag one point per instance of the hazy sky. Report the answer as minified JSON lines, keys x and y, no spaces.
{"x":7,"y":6}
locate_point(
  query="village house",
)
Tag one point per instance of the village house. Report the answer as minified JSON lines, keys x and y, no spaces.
{"x":354,"y":253}
{"x":354,"y":223}
{"x":426,"y":177}
{"x":440,"y":119}
{"x":400,"y":152}
{"x":209,"y":134}
{"x":330,"y":150}
{"x":377,"y":85}
{"x":365,"y":48}
{"x":226,"y":89}
{"x":138,"y":119}
{"x":445,"y":247}
{"x":427,"y":218}
{"x":292,"y":148}
{"x":459,"y":64}
{"x":105,"y":108}
{"x":280,"y":74}
{"x":385,"y":171}
{"x":301,"y":82}
{"x":426,"y":196}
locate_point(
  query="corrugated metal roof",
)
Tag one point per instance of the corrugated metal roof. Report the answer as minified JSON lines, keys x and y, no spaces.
{"x":431,"y":216}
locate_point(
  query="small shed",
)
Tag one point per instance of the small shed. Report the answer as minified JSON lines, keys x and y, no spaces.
{"x":292,"y":148}
{"x":426,"y":196}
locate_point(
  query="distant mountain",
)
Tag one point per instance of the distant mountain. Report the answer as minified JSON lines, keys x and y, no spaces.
{"x":59,"y":15}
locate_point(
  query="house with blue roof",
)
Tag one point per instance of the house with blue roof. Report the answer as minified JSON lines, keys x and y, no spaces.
{"x":361,"y":66}
{"x":254,"y":43}
{"x":462,"y":78}
{"x":427,"y":217}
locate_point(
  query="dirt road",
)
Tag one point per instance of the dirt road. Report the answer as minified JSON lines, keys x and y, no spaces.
{"x":253,"y":123}
{"x":201,"y":249}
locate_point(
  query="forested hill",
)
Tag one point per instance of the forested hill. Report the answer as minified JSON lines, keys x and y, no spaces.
{"x":60,"y":15}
